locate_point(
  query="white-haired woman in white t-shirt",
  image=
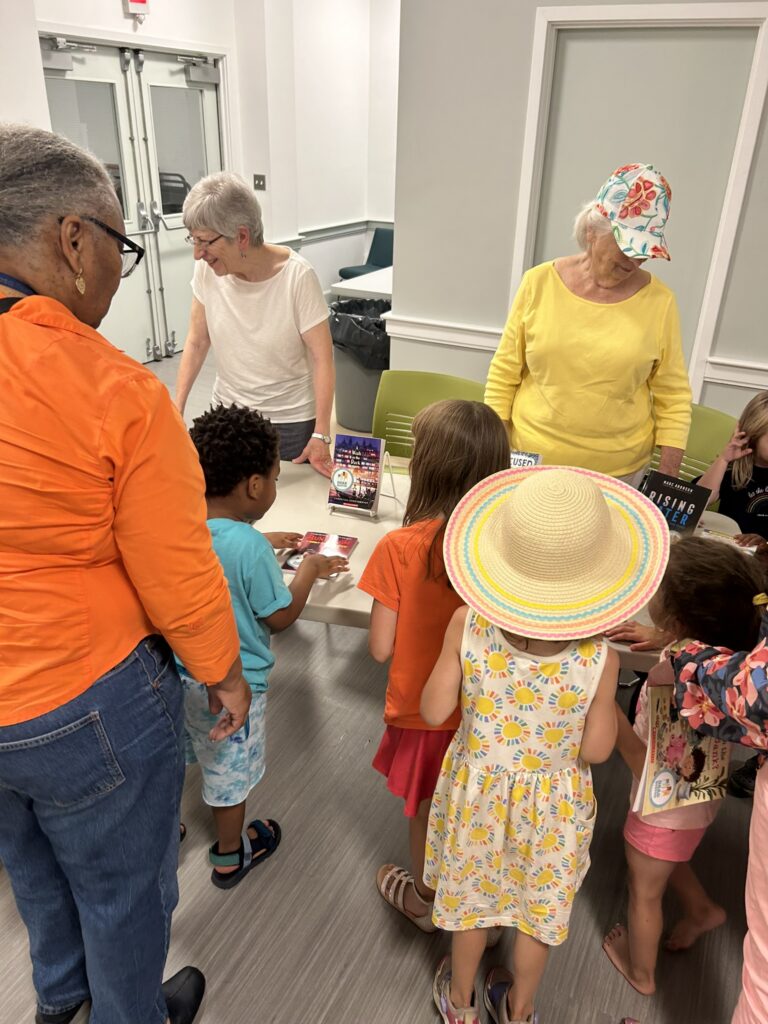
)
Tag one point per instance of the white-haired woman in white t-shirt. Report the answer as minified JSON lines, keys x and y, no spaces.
{"x":261,"y":308}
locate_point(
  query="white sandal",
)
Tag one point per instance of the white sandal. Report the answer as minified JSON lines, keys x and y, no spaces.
{"x":392,"y":883}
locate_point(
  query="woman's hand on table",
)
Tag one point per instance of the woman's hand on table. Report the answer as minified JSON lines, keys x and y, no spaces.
{"x":280,"y":541}
{"x":318,"y":454}
{"x":638,"y":636}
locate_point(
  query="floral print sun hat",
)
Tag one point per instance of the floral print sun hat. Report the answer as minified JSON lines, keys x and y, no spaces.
{"x":636,"y":199}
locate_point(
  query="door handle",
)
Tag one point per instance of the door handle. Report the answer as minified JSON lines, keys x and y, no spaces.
{"x":157,"y":216}
{"x":146,"y":225}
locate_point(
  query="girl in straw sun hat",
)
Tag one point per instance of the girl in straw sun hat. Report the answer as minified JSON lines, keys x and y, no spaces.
{"x":546,"y":559}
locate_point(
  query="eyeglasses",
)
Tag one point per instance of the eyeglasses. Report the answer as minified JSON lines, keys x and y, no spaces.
{"x":131,"y":252}
{"x":201,"y":243}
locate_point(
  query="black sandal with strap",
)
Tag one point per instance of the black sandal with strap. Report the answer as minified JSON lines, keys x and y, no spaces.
{"x":267,"y":840}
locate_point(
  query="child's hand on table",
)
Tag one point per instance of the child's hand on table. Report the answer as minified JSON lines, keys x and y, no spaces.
{"x":638,"y":636}
{"x":279,"y":541}
{"x":751,"y":540}
{"x":323,"y":566}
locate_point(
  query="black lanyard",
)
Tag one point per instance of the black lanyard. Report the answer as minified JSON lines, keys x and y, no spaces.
{"x":16,"y":285}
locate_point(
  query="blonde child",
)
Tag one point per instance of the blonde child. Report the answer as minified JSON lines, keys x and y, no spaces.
{"x":546,"y":559}
{"x":738,"y":478}
{"x":456,"y":443}
{"x":708,"y":593}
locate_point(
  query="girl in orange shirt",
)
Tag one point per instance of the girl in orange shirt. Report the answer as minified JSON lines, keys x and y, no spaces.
{"x":456,"y":444}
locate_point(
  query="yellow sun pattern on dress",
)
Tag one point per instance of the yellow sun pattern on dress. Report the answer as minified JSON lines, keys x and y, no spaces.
{"x":514,"y":809}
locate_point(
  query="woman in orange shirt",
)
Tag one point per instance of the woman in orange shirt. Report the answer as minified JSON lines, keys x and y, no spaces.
{"x":456,"y":444}
{"x":105,"y":560}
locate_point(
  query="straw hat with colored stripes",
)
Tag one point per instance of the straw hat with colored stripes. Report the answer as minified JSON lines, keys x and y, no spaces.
{"x":552,"y":553}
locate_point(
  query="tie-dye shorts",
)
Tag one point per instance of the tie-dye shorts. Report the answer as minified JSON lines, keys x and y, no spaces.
{"x":231,"y":767}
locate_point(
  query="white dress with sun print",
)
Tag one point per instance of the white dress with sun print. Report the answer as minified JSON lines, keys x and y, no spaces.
{"x":513,"y":812}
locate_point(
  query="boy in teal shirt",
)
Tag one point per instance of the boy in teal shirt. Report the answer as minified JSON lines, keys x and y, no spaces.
{"x":240,"y":457}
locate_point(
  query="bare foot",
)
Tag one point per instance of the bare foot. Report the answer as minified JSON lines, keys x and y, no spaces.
{"x":616,"y":947}
{"x":689,"y":929}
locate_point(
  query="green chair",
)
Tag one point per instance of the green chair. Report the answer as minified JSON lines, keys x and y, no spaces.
{"x":709,"y":434}
{"x":403,"y":393}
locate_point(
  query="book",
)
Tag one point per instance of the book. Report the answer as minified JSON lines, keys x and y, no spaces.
{"x":682,"y":503}
{"x":356,"y":474}
{"x":518,"y":459}
{"x":328,"y":544}
{"x":681,"y":767}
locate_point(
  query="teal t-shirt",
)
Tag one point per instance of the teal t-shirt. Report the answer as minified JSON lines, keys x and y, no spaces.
{"x":257,"y":589}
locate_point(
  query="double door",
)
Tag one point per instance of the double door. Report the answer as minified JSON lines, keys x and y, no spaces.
{"x":153,"y":119}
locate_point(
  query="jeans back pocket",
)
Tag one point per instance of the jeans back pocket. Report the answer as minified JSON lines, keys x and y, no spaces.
{"x":65,"y":767}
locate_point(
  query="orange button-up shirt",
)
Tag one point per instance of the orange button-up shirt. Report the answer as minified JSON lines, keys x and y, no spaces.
{"x":103,"y":535}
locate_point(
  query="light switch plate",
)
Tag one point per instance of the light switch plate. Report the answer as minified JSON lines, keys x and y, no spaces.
{"x":260,"y":182}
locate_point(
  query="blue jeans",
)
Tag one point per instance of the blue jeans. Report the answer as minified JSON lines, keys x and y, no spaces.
{"x":89,"y":834}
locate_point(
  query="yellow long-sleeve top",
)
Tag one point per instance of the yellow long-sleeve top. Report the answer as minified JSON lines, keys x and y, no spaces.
{"x":591,"y":384}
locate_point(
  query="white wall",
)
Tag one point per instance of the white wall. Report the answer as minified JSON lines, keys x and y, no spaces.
{"x":382,"y":108}
{"x":197,"y":21}
{"x":331,"y":69}
{"x":301,"y":91}
{"x":310,"y":92}
{"x":22,"y":94}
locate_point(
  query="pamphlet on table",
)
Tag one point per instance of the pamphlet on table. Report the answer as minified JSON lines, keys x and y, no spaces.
{"x":356,"y":474}
{"x":331,"y":545}
{"x":682,"y":503}
{"x":681,"y":767}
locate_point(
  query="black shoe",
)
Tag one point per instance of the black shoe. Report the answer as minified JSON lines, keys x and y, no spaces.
{"x":742,"y":780}
{"x":183,"y":995}
{"x":58,"y":1018}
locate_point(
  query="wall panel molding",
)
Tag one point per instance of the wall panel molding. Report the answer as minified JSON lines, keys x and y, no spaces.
{"x":438,"y":332}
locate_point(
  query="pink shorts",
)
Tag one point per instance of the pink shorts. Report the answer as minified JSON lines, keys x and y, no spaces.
{"x":411,"y":760}
{"x":673,"y":844}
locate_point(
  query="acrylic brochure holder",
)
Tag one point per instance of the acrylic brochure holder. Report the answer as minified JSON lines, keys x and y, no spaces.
{"x":359,"y":465}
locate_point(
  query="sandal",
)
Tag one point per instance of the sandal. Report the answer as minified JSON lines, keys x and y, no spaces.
{"x":392,"y":883}
{"x":267,"y":840}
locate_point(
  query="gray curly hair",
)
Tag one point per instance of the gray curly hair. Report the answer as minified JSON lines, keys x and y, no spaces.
{"x":223,"y":203}
{"x":44,"y":176}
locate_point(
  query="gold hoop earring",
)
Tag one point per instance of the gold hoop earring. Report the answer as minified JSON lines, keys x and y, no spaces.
{"x":80,"y":282}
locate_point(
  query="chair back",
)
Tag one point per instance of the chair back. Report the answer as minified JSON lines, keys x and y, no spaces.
{"x":382,"y":247}
{"x":710,"y":432}
{"x":403,"y":393}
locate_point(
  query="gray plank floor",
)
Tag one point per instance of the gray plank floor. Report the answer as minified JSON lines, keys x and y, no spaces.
{"x":307,"y":938}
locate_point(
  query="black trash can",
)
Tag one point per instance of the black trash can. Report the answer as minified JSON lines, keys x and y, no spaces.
{"x":361,"y":353}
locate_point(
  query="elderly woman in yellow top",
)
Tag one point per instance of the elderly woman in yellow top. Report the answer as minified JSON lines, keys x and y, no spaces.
{"x":590,"y":369}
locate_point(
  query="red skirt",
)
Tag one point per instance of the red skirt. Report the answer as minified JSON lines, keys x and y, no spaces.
{"x":410,"y":759}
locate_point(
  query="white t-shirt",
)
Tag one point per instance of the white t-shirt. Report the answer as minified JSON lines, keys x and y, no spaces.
{"x":255,"y":330}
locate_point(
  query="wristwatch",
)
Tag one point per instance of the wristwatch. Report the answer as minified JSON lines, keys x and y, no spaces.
{"x":326,"y":438}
